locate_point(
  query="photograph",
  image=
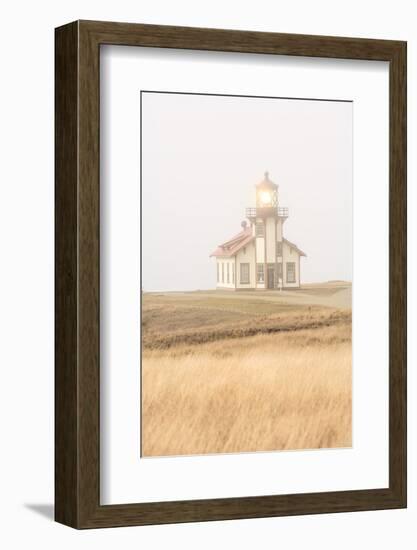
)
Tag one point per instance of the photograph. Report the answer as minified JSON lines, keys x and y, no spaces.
{"x":246,"y":274}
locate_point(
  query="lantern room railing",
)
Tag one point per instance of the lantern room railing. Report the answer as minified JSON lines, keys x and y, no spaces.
{"x":260,"y":212}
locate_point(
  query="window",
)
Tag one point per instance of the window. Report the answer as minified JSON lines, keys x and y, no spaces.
{"x":290,"y":272}
{"x":244,"y":274}
{"x":222,"y":272}
{"x":233,"y":273}
{"x":259,"y":229}
{"x":260,"y":277}
{"x":279,"y":249}
{"x":227,"y":271}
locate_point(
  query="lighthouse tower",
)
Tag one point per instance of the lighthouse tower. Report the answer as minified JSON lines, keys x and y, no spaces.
{"x":259,"y":257}
{"x":267,"y":220}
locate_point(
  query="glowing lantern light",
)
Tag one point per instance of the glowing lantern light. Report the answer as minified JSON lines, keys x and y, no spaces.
{"x":265,"y":197}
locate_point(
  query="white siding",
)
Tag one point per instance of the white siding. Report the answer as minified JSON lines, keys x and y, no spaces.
{"x":279,"y":229}
{"x":270,"y":240}
{"x":280,"y":284}
{"x":260,"y":249}
{"x":223,"y":264}
{"x":246,"y":255}
{"x":288,"y":256}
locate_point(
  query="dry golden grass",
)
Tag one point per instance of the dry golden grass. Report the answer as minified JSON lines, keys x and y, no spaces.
{"x":272,"y":391}
{"x":175,"y":319}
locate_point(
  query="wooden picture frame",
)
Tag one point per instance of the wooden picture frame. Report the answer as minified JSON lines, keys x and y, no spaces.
{"x":77,"y":359}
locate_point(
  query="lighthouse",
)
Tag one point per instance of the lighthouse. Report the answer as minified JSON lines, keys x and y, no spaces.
{"x":259,"y":257}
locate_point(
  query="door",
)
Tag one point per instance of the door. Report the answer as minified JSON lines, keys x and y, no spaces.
{"x":271,"y":276}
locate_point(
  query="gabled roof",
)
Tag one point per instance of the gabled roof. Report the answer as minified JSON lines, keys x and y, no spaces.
{"x":243,"y":238}
{"x":233,"y":245}
{"x":292,"y":245}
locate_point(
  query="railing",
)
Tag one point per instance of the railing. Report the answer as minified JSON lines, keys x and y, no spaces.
{"x":259,"y":212}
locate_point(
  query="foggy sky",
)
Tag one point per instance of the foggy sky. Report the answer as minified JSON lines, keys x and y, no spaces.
{"x":203,"y":155}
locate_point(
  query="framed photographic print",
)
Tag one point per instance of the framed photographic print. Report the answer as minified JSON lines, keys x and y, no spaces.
{"x":230,"y":274}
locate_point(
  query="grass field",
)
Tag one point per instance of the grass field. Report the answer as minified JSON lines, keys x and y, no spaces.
{"x":248,"y":371}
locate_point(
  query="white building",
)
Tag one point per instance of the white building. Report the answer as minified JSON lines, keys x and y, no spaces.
{"x":259,"y":257}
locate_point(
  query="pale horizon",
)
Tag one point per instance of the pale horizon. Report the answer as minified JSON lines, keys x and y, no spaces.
{"x":242,"y":291}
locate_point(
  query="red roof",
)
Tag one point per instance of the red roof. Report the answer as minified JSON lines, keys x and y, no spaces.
{"x":233,"y":245}
{"x":292,"y":245}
